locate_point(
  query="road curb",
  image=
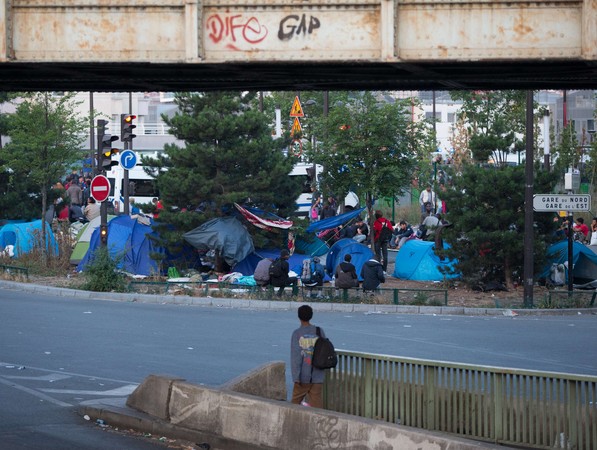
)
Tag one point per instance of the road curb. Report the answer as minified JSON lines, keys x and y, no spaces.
{"x":235,"y":303}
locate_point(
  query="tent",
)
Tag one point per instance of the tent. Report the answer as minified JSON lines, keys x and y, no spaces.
{"x":584,"y":260}
{"x":360,"y":254}
{"x":313,"y":247}
{"x":83,"y":239}
{"x":417,"y":260}
{"x":127,"y":239}
{"x":248,"y":264}
{"x":226,"y":235}
{"x":333,"y":222}
{"x":23,"y":237}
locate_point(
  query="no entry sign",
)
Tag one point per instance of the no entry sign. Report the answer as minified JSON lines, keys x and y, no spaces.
{"x":100,"y":188}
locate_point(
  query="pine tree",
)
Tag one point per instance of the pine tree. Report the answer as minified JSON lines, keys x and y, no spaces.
{"x":229,"y":157}
{"x":486,"y":209}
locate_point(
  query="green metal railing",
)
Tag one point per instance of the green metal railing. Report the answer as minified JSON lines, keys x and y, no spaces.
{"x":506,"y":406}
{"x":569,"y":299}
{"x":15,"y":271}
{"x":421,"y":297}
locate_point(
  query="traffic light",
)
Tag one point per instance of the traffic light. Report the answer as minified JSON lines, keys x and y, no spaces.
{"x":104,"y":234}
{"x":104,"y":146}
{"x":126,"y":127}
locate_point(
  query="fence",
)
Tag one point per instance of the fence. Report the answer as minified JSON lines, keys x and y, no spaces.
{"x":421,"y":297}
{"x":15,"y":271}
{"x":569,"y":299}
{"x":505,"y":406}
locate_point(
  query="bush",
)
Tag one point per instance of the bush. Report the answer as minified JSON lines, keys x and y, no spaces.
{"x":102,"y":274}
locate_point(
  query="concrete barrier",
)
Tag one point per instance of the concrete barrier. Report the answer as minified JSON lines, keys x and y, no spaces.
{"x":257,"y":422}
{"x":266,"y":381}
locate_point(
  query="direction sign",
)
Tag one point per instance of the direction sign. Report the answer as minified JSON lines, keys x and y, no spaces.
{"x":128,"y":159}
{"x":554,"y":202}
{"x":100,"y":188}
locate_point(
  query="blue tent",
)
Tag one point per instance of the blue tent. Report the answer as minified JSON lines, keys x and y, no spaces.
{"x":315,"y":247}
{"x":584,"y":260}
{"x":128,"y":240}
{"x":333,"y":222}
{"x":359,"y":253}
{"x":23,"y":237}
{"x":417,"y":260}
{"x":248,"y":264}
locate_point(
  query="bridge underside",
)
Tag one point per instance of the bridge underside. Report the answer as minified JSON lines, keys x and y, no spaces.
{"x":36,"y":76}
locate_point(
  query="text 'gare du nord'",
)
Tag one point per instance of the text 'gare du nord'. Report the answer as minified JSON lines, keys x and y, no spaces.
{"x":173,"y":45}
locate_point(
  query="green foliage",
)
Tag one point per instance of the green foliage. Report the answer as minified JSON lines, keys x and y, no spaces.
{"x":229,"y":157}
{"x":46,"y":135}
{"x":370,"y":147}
{"x":495,"y":121}
{"x":102,"y":274}
{"x":486,"y":208}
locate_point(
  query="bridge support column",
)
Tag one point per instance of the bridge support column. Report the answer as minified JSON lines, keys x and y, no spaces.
{"x":589,"y":29}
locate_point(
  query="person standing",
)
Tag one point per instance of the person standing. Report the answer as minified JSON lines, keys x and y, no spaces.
{"x":308,"y":380}
{"x":383,"y":229}
{"x":427,"y":196}
{"x":75,"y":193}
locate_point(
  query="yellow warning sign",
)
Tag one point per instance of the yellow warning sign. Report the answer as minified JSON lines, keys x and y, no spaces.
{"x":297,"y":109}
{"x":296,"y":127}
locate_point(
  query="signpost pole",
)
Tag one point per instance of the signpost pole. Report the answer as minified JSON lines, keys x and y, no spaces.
{"x":570,"y":255}
{"x":528,"y":210}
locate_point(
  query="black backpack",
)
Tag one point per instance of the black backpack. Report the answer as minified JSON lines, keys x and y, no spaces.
{"x":324,"y":354}
{"x":386,"y":233}
{"x":275,"y":270}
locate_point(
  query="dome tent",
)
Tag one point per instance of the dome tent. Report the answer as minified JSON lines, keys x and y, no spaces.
{"x":359,"y":253}
{"x":417,"y":260}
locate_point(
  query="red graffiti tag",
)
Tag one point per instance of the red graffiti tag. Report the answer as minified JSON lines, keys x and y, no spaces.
{"x":236,"y":26}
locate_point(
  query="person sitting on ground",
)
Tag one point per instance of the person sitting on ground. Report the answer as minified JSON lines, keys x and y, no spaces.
{"x":261,"y":274}
{"x":346,"y":274}
{"x":362,"y":231}
{"x":279,"y":274}
{"x":401,"y":235}
{"x":372,"y":275}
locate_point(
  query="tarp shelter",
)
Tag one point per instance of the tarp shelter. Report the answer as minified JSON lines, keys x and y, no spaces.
{"x":225,"y":235}
{"x":360,"y":254}
{"x":128,"y":242}
{"x":333,"y":222}
{"x":417,"y":260}
{"x":313,"y":247}
{"x":584,"y":260}
{"x":23,"y":237}
{"x":84,"y":238}
{"x":248,"y":264}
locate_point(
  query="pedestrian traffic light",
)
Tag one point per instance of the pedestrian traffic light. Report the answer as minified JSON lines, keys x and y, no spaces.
{"x":104,"y":234}
{"x":126,"y":127}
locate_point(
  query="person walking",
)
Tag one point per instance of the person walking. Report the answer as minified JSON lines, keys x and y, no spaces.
{"x":308,"y":380}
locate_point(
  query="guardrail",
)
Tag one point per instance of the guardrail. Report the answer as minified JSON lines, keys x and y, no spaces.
{"x":15,"y":271}
{"x":421,"y":297}
{"x":506,"y":406}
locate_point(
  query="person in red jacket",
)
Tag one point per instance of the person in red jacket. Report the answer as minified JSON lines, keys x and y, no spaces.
{"x":382,"y":229}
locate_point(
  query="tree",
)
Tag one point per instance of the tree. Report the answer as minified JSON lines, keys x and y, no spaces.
{"x":46,"y":136}
{"x":486,"y":209}
{"x":371,"y":147}
{"x":229,"y":157}
{"x":495,"y":121}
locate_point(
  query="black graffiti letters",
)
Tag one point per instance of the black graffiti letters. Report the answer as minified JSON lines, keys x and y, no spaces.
{"x":296,"y":25}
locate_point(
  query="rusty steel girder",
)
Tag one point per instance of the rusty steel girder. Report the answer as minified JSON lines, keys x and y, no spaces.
{"x":418,"y":34}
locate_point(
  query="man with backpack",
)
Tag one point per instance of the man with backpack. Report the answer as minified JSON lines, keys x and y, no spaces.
{"x":383,"y":229}
{"x":308,"y":380}
{"x":278,"y":274}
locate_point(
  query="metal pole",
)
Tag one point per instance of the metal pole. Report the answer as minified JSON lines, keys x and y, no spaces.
{"x":570,"y":254}
{"x":92,"y":155}
{"x":125,"y":182}
{"x":528,"y":209}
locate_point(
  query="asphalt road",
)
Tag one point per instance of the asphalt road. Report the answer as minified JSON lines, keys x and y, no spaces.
{"x":59,"y":352}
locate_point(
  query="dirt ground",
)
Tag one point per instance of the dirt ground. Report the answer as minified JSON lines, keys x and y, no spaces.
{"x":458,"y":293}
